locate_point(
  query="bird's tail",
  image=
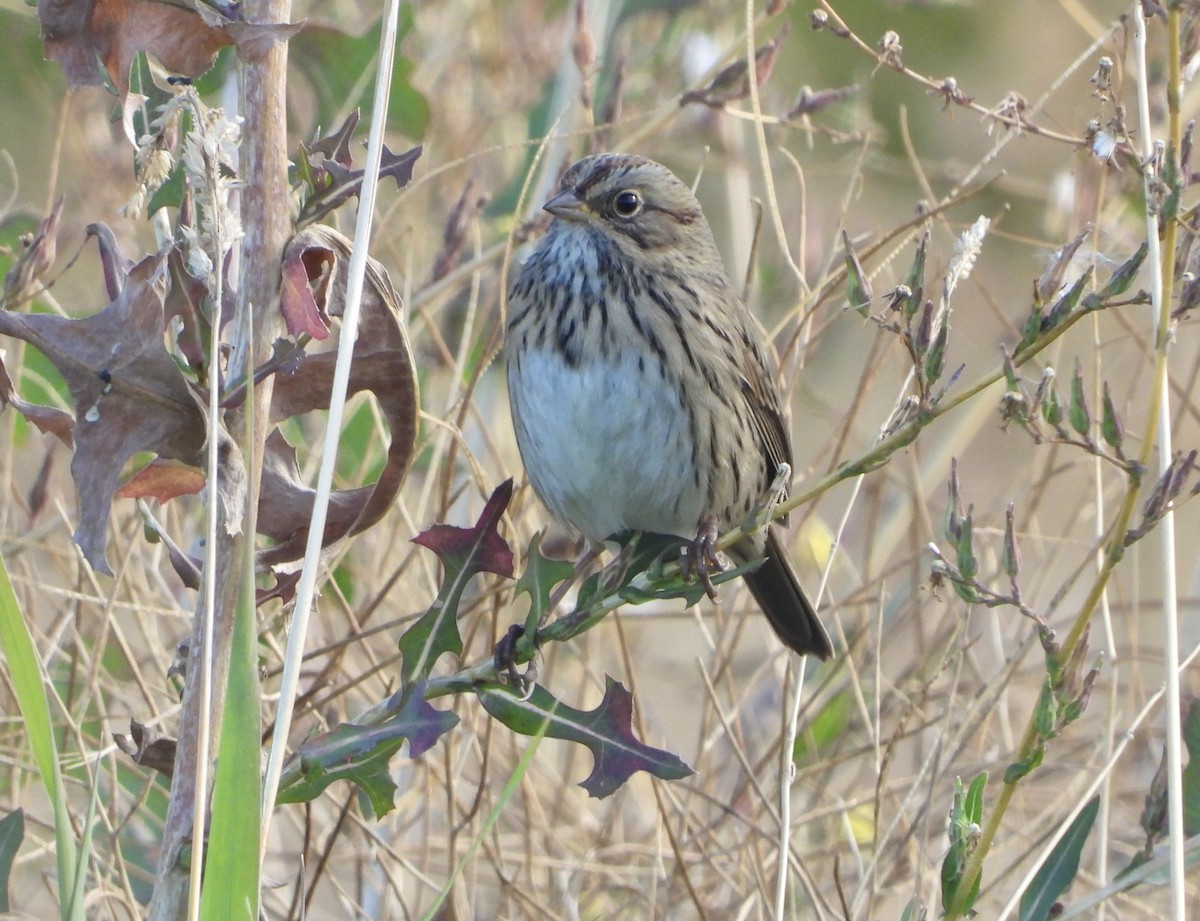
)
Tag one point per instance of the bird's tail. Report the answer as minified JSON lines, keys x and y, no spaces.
{"x":777,"y":590}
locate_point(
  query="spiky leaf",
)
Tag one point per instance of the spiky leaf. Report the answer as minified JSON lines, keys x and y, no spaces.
{"x":362,"y":753}
{"x":606,"y":731}
{"x":463,"y":552}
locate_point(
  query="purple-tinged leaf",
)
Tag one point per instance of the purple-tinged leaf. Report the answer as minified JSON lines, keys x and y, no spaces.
{"x":332,"y":184}
{"x":463,"y":552}
{"x":361,"y":753}
{"x":606,"y":731}
{"x":476,"y":549}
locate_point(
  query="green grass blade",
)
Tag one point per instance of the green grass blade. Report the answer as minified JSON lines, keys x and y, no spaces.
{"x":231,"y":869}
{"x":25,"y":672}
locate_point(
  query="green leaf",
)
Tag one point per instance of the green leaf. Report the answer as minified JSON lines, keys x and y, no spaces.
{"x":966,"y":562}
{"x":828,"y":725}
{"x":1060,"y":867}
{"x":1191,"y":773}
{"x":340,"y":67}
{"x":606,"y":731}
{"x":12,"y":832}
{"x":967,"y":593}
{"x":916,"y":279}
{"x":538,"y":580}
{"x":1011,"y":379}
{"x":1019,"y":769}
{"x":231,"y":866}
{"x":1052,"y":408}
{"x":966,"y":810}
{"x":935,"y":358}
{"x":464,"y":552}
{"x":1171,"y":178}
{"x":1064,"y":305}
{"x":1079,"y":414}
{"x":25,"y":675}
{"x":1110,"y":424}
{"x":1045,"y":712}
{"x":1120,"y":280}
{"x":973,"y":803}
{"x":361,"y":752}
{"x":1032,"y":329}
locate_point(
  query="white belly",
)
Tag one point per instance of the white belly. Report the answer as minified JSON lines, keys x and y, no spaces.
{"x":607,"y":445}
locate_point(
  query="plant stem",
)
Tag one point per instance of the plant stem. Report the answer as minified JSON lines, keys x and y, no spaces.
{"x":1115,"y":549}
{"x":266,"y":221}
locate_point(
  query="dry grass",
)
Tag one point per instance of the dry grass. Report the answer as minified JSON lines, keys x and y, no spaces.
{"x":924,"y":688}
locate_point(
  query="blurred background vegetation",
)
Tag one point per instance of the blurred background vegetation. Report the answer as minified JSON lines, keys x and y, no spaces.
{"x":925,"y":687}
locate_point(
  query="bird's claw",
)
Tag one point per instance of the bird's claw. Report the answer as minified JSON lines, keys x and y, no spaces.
{"x":700,"y":558}
{"x":504,"y":656}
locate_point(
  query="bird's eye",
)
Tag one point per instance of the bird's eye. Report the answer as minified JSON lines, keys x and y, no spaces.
{"x":627,"y":203}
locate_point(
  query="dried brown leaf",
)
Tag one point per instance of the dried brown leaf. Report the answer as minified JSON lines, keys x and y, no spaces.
{"x":129,"y":397}
{"x":93,"y":38}
{"x":382,"y":365}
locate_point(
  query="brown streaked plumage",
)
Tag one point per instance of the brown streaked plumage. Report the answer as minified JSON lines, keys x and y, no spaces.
{"x":639,"y":382}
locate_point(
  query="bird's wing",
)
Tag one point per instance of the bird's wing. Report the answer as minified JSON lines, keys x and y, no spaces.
{"x":760,"y":392}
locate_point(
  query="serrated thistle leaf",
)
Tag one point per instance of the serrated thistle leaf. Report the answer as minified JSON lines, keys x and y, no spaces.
{"x":606,"y":731}
{"x":1058,"y":872}
{"x":476,"y":549}
{"x":538,"y":580}
{"x":361,"y":753}
{"x":464,"y":552}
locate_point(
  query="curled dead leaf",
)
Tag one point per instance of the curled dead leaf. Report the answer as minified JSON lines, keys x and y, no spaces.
{"x":383,"y":365}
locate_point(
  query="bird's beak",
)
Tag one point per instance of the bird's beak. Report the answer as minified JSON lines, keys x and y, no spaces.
{"x":566,"y":204}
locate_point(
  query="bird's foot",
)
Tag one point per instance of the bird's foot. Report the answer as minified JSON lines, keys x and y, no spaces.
{"x":504,"y":656}
{"x":700,"y":558}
